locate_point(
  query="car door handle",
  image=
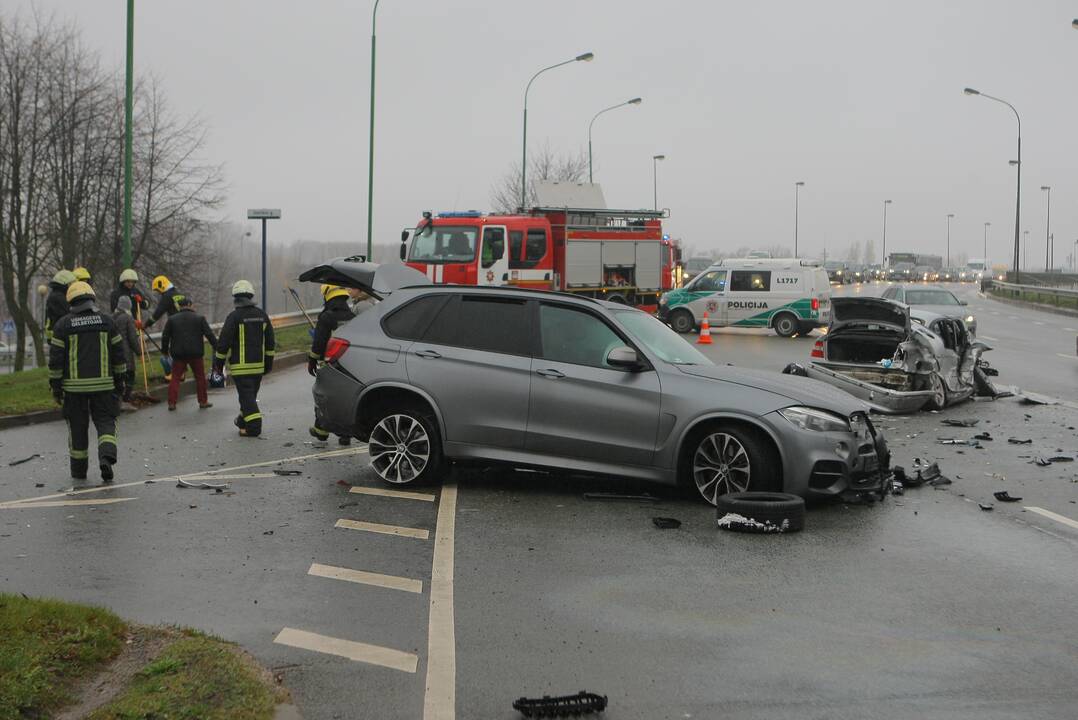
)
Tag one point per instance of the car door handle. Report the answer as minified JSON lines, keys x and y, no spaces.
{"x":551,"y":373}
{"x":432,"y":354}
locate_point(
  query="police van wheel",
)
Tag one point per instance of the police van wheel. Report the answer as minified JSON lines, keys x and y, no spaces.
{"x":682,"y":321}
{"x":785,"y":324}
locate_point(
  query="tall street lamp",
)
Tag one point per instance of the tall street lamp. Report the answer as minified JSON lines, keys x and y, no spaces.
{"x":655,"y":176}
{"x":986,"y":226}
{"x":1018,"y":165}
{"x":370,"y":147}
{"x":586,"y":57}
{"x":1048,"y":229}
{"x":883,"y":260}
{"x":129,"y":82}
{"x":949,"y":216}
{"x":634,"y":101}
{"x":1025,"y":244}
{"x":797,"y":187}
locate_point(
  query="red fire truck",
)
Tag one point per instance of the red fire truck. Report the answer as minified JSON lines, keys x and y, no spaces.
{"x":616,"y":255}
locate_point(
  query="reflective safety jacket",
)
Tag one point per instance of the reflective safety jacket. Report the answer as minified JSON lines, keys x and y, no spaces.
{"x":169,"y":302}
{"x":246,"y":340}
{"x":55,"y":307}
{"x":86,"y":354}
{"x":335,"y":313}
{"x":141,"y":303}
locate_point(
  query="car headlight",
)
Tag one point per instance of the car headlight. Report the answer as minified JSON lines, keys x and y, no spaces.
{"x":808,"y":418}
{"x":969,"y":319}
{"x":663,"y":300}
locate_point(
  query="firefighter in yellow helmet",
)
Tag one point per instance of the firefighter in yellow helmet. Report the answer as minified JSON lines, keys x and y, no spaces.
{"x":168,"y":300}
{"x":87,"y":371}
{"x":246,"y":342}
{"x":56,"y":303}
{"x":82,"y":274}
{"x":335,"y":313}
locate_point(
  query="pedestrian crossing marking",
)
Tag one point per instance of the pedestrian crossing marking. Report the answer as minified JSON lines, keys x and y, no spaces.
{"x":382,"y":492}
{"x":357,"y":651}
{"x":62,"y":503}
{"x":366,"y":578}
{"x":416,"y":533}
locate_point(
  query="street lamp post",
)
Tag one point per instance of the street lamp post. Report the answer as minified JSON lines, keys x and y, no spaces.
{"x":129,"y":82}
{"x":586,"y":57}
{"x":883,"y":260}
{"x":264,"y":214}
{"x":370,"y":146}
{"x":634,"y":101}
{"x":949,"y":216}
{"x":1025,"y":244}
{"x":655,"y":176}
{"x":1018,"y":165}
{"x":986,"y":226}
{"x":797,"y":187}
{"x":1048,"y":229}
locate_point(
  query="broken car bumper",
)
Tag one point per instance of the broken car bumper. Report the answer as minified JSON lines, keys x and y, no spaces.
{"x":336,"y":399}
{"x":881,"y":399}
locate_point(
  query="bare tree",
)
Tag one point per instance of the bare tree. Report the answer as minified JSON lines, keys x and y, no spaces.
{"x":853,"y":254}
{"x":869,"y":255}
{"x":543,"y":165}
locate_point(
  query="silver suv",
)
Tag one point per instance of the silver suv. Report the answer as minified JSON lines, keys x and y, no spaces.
{"x":438,"y":373}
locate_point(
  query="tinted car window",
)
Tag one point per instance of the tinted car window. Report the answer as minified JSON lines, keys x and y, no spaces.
{"x":535,"y":249}
{"x":516,"y":249}
{"x":714,"y":281}
{"x":575,"y":336}
{"x":494,"y":324}
{"x":410,"y":321}
{"x":750,"y":280}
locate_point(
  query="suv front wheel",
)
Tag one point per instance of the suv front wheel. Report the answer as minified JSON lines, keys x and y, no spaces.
{"x":726,"y":458}
{"x":405,"y":446}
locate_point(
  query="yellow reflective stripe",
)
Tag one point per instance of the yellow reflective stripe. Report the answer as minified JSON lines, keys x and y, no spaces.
{"x":121,"y":368}
{"x":269,"y":353}
{"x":252,"y":416}
{"x":101,"y":439}
{"x":58,"y":342}
{"x":220,"y":355}
{"x":243,"y":344}
{"x":103,"y":345}
{"x":313,"y":355}
{"x":88,"y":385}
{"x":116,"y":339}
{"x":73,"y":358}
{"x":79,"y":454}
{"x":54,"y":374}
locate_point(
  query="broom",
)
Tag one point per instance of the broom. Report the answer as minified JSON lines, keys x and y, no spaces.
{"x":144,"y":396}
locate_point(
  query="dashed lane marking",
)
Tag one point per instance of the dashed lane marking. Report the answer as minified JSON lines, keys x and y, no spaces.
{"x":1037,"y":322}
{"x":1058,"y":518}
{"x":987,"y":337}
{"x":440,"y":698}
{"x":381,"y":492}
{"x":360,"y":652}
{"x":1070,"y":330}
{"x":416,"y":533}
{"x":366,"y":578}
{"x":62,"y":503}
{"x":1069,"y":357}
{"x":238,"y":476}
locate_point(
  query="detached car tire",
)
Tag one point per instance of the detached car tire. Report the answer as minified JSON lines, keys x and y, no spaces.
{"x":405,"y":446}
{"x":682,"y":321}
{"x":760,"y":512}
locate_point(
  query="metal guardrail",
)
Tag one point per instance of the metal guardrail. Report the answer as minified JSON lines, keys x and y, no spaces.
{"x":1062,"y":297}
{"x":278,"y":321}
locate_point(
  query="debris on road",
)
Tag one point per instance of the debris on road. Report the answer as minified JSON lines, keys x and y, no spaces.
{"x":13,"y":463}
{"x":1046,"y":461}
{"x":583,"y":703}
{"x":1030,"y":398}
{"x":1016,"y":441}
{"x":643,"y":497}
{"x":985,"y":436}
{"x":987,"y":507}
{"x":760,"y":512}
{"x":1004,"y":496}
{"x":287,"y":472}
{"x":926,"y":472}
{"x":201,"y":485}
{"x":956,"y":422}
{"x":973,"y":442}
{"x":666,"y":523}
{"x":268,"y":532}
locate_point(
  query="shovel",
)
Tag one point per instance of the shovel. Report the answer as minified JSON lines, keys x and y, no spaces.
{"x":144,"y":396}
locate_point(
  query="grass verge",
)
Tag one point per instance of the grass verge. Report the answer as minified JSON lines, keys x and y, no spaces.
{"x":28,"y":391}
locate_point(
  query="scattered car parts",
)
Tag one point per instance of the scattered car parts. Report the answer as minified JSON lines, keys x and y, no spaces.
{"x":583,"y":703}
{"x":760,"y":512}
{"x":1004,"y":496}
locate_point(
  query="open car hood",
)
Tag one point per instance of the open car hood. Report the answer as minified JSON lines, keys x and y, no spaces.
{"x":868,"y":310}
{"x":377,"y":280}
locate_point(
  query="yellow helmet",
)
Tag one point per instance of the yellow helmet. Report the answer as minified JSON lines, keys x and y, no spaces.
{"x":243,"y":287}
{"x":79,"y":289}
{"x":160,"y":284}
{"x":331,"y":291}
{"x":63,"y":277}
{"x":82,"y":273}
{"x":128,"y":275}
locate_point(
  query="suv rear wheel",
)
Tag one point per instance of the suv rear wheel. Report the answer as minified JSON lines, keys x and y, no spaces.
{"x":725,"y":458}
{"x":405,"y":446}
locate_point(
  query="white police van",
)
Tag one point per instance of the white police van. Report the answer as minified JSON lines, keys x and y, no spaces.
{"x":790,"y":295}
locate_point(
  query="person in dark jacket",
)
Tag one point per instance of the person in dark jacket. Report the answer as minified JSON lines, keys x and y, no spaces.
{"x":248,"y":345}
{"x":335,"y":313}
{"x":56,"y":303}
{"x":86,"y":374}
{"x":182,"y":341}
{"x":125,"y":325}
{"x":128,"y":287}
{"x":168,"y":301}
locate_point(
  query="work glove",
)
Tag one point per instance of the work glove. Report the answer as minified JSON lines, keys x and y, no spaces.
{"x":312,"y":367}
{"x":269,"y":364}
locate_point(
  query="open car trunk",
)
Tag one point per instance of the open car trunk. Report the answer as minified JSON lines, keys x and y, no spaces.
{"x":861,"y":345}
{"x":375,"y":279}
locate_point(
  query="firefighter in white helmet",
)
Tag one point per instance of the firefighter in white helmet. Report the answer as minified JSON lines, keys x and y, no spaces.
{"x":247,"y":344}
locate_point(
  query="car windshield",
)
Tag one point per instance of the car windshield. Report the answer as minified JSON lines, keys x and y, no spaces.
{"x":660,"y":339}
{"x":930,"y":297}
{"x":444,"y":244}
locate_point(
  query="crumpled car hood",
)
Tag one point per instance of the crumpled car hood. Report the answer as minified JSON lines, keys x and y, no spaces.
{"x":800,"y":391}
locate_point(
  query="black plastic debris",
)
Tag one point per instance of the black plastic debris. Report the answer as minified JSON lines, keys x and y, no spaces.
{"x":645,"y":497}
{"x":926,"y":472}
{"x":666,"y":523}
{"x":955,"y":441}
{"x":13,"y":463}
{"x":956,"y":422}
{"x":1004,"y":496}
{"x":1016,"y":441}
{"x":985,"y":436}
{"x":1061,"y":458}
{"x":201,"y":485}
{"x":278,"y":471}
{"x":1041,"y":462}
{"x":987,"y":507}
{"x":583,"y":703}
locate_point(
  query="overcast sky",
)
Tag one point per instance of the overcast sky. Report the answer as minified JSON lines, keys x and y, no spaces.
{"x":860,"y":99}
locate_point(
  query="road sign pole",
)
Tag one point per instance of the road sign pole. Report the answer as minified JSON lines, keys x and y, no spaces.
{"x":264,"y":214}
{"x":264,"y":264}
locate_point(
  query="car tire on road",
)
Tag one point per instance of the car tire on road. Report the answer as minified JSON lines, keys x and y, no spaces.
{"x":721,"y":458}
{"x":939,"y":390}
{"x":760,"y":512}
{"x":405,"y":446}
{"x":682,"y":321}
{"x":785,"y":324}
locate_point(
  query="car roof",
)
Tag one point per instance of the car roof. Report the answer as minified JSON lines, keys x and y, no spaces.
{"x":509,"y":290}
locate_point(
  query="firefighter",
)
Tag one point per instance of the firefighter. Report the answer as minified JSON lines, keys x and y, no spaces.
{"x":247,"y":344}
{"x":56,"y":303}
{"x":87,"y":374}
{"x":167,"y":303}
{"x":126,"y":288}
{"x":82,"y":275}
{"x":335,"y":313}
{"x":125,"y":326}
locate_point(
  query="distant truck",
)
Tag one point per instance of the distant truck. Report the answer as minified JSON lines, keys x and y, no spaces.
{"x":934,"y":262}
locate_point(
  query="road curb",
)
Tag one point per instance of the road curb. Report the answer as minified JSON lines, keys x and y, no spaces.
{"x":160,"y":392}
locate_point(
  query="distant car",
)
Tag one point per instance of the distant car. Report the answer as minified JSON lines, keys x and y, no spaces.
{"x":936,"y":300}
{"x":837,"y":273}
{"x":445,"y":373}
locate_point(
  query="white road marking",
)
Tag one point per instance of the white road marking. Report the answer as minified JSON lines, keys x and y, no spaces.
{"x":988,"y":337}
{"x":1069,"y":357}
{"x":382,"y":492}
{"x":416,"y":533}
{"x":15,"y":505}
{"x":240,"y":476}
{"x":360,"y":652}
{"x":1037,"y":322}
{"x":1070,"y":330}
{"x":1058,"y":518}
{"x":366,"y":578}
{"x":440,"y":698}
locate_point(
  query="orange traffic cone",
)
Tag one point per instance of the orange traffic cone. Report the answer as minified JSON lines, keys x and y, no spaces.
{"x":705,"y":332}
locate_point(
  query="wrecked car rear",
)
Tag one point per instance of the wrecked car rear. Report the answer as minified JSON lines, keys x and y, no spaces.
{"x":896,"y":360}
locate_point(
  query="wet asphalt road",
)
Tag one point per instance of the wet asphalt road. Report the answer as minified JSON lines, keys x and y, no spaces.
{"x":924,"y":606}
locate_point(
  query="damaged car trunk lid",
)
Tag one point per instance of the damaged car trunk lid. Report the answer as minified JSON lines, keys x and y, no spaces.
{"x":376,"y":279}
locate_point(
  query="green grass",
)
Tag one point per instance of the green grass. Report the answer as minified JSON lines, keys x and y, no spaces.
{"x":28,"y":391}
{"x":44,"y":645}
{"x":195,"y":678}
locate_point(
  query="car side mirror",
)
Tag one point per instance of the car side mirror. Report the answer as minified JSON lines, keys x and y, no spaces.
{"x":624,"y":358}
{"x":404,"y":236}
{"x":404,"y":251}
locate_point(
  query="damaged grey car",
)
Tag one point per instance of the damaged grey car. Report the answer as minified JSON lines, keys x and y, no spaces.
{"x":897,"y":360}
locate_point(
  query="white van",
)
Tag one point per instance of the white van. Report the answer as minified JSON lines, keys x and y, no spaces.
{"x":790,"y":295}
